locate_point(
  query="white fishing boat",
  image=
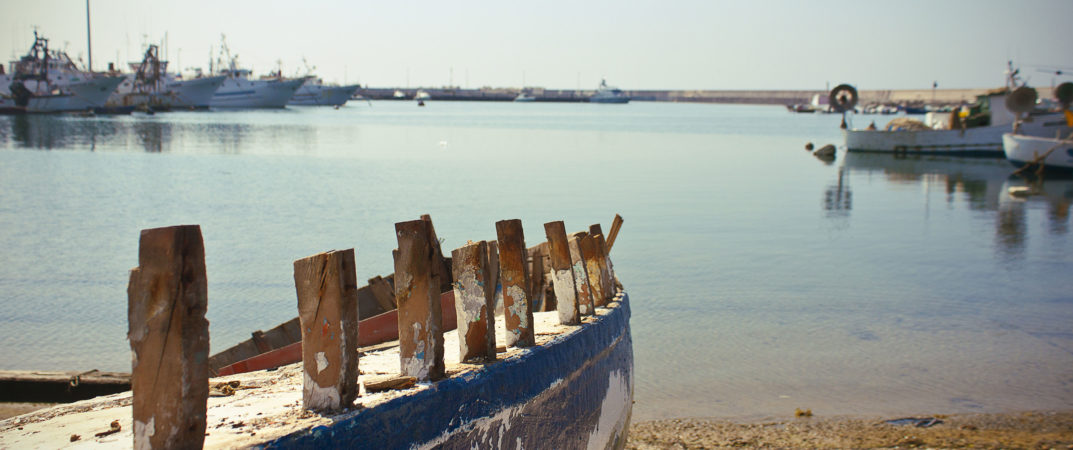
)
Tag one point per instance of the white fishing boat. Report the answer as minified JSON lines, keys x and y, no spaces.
{"x":524,"y":97}
{"x":151,"y":86}
{"x":46,"y":80}
{"x":974,"y":130}
{"x":608,"y":94}
{"x":239,"y":90}
{"x":1054,"y":154}
{"x":315,"y":93}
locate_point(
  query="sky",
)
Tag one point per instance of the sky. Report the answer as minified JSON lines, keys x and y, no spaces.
{"x":557,"y":44}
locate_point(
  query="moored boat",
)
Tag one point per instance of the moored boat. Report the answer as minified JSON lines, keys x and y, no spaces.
{"x":608,"y":94}
{"x":1052,"y":155}
{"x":315,"y":93}
{"x":240,"y":90}
{"x":46,"y":81}
{"x":972,"y":130}
{"x":151,"y":86}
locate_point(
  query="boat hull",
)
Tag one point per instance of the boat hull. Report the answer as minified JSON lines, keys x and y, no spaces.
{"x":976,"y":141}
{"x":254,"y":93}
{"x":612,"y":100}
{"x":320,"y":95}
{"x":574,"y":393}
{"x":1024,"y":150}
{"x":82,"y":96}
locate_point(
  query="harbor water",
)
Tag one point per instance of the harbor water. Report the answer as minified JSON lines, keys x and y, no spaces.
{"x":762,"y":279}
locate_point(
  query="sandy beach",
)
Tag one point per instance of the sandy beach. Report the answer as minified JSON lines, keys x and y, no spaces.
{"x":1035,"y":429}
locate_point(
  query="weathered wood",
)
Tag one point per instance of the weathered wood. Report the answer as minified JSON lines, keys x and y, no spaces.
{"x":388,"y":383}
{"x":562,"y":273}
{"x":367,"y":303}
{"x":441,"y":267}
{"x":517,"y":301}
{"x":326,"y":284}
{"x":169,"y":336}
{"x":581,"y":274}
{"x":607,"y":277}
{"x":535,"y":268}
{"x":616,"y":225}
{"x":493,"y":269}
{"x":420,"y":312}
{"x":595,"y":229}
{"x":382,"y":292}
{"x":590,"y":251}
{"x":473,"y":302}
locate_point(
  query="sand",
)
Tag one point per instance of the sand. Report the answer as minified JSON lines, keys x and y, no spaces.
{"x":1037,"y":429}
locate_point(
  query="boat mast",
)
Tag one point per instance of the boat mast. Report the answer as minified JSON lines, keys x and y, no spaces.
{"x":89,"y":43}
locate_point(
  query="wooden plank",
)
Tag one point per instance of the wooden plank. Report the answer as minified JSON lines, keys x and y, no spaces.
{"x":581,"y":275}
{"x":367,"y":304}
{"x":441,"y":267}
{"x":473,"y":302}
{"x":382,"y":292}
{"x":562,"y":273}
{"x":535,"y":268}
{"x":616,"y":225}
{"x":326,"y":284}
{"x":517,"y":301}
{"x":592,"y":266}
{"x":420,"y":314}
{"x":169,"y":336}
{"x":493,"y":269}
{"x":607,"y":278}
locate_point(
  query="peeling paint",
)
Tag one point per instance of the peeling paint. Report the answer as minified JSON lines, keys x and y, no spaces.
{"x":518,"y":307}
{"x":322,"y":362}
{"x":143,"y":432}
{"x":565,"y":295}
{"x":317,"y":397}
{"x":614,"y":411}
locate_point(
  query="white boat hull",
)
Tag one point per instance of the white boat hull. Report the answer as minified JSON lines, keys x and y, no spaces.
{"x":242,"y":93}
{"x":976,"y":141}
{"x":320,"y":95}
{"x":1023,"y":150}
{"x":80,"y":96}
{"x":176,"y":94}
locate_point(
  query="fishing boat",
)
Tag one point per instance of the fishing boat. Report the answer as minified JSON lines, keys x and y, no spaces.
{"x":524,"y":97}
{"x":240,"y":90}
{"x":150,"y":86}
{"x":608,"y":94}
{"x":315,"y":93}
{"x":1051,"y":154}
{"x":48,"y":81}
{"x":973,"y":130}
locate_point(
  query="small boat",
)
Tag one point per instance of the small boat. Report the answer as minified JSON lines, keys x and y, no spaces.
{"x":421,"y":95}
{"x":608,"y":94}
{"x":524,"y":97}
{"x":151,"y":87}
{"x":48,"y":81}
{"x":315,"y":93}
{"x":1053,"y":155}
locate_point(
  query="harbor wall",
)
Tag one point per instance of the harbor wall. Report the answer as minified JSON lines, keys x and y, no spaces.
{"x":759,"y":97}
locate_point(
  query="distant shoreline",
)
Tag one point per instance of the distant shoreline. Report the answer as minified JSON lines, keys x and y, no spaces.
{"x":755,"y":97}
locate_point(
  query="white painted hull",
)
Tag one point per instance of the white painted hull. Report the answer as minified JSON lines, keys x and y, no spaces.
{"x":1021,"y":150}
{"x":81,"y":96}
{"x":176,"y":94}
{"x":311,"y":94}
{"x":243,"y":93}
{"x":977,"y":141}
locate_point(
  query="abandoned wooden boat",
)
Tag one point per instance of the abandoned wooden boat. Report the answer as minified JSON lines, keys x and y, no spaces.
{"x":574,"y":389}
{"x":557,"y":375}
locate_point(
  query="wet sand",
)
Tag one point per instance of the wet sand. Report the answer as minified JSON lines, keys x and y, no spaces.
{"x":1037,"y":429}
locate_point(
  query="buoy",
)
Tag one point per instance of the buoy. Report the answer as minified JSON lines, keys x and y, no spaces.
{"x":808,"y":146}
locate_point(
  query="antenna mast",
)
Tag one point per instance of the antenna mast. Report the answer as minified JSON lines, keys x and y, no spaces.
{"x":89,"y":43}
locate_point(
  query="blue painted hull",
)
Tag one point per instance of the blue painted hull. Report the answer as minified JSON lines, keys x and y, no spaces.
{"x":576,"y":392}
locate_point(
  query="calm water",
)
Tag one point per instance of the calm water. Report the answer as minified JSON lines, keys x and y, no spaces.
{"x":762,"y":279}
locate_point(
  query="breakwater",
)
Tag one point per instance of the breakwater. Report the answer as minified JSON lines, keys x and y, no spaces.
{"x":760,"y":97}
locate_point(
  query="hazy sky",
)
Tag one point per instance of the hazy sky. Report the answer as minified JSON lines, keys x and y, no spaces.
{"x":668,"y":44}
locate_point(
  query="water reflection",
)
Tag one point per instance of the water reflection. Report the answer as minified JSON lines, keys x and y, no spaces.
{"x":202,"y":132}
{"x":982,"y":184}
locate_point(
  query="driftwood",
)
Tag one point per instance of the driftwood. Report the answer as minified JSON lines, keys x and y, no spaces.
{"x":388,"y":383}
